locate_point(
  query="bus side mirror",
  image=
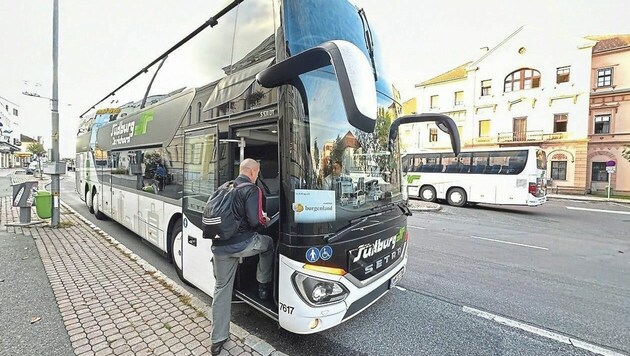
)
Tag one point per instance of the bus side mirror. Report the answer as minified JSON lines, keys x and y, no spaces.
{"x":443,"y":122}
{"x":354,"y":76}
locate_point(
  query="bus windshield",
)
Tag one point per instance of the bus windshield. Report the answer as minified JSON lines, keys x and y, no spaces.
{"x":339,"y":172}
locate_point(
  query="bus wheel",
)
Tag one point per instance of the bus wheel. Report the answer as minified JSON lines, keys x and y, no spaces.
{"x":176,"y":249}
{"x":427,"y":193}
{"x":96,"y":208}
{"x":88,"y":202}
{"x":456,"y":197}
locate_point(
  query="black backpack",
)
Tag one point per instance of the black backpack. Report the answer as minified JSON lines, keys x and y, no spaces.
{"x":218,"y":220}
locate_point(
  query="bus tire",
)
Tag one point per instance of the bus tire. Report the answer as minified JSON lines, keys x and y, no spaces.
{"x":456,"y":197}
{"x":427,"y":193}
{"x":96,"y":208}
{"x":175,"y":249}
{"x":88,"y":201}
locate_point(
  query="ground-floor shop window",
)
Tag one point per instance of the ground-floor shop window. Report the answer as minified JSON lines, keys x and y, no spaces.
{"x":599,"y":172}
{"x":559,"y":170}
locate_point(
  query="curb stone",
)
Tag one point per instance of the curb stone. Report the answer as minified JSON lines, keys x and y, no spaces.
{"x":252,"y":341}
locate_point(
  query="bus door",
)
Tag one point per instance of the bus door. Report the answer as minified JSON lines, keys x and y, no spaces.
{"x":260,"y":143}
{"x":201,"y":169}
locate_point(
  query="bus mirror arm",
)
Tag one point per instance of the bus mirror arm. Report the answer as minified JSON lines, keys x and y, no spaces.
{"x":443,"y":122}
{"x":353,"y":71}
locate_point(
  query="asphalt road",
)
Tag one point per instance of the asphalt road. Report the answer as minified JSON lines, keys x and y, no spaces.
{"x":572,"y":281}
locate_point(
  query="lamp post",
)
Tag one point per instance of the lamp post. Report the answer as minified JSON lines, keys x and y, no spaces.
{"x":54,"y":188}
{"x":55,"y":168}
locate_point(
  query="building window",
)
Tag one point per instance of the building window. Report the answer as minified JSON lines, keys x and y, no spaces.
{"x":602,"y":124}
{"x":560,"y":122}
{"x":486,"y":85}
{"x":599,"y":172}
{"x":198,"y":111}
{"x":459,"y":98}
{"x":435,"y":101}
{"x":484,"y":128}
{"x":433,"y":135}
{"x":559,"y":170}
{"x":519,"y":128}
{"x":562,"y":74}
{"x":604,"y":77}
{"x":189,"y":115}
{"x":522,"y":79}
{"x":15,"y":112}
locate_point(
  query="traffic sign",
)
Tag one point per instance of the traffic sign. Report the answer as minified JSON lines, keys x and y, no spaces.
{"x":610,"y":164}
{"x":611,"y":169}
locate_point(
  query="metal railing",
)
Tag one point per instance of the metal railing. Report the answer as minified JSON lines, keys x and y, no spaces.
{"x":524,"y":136}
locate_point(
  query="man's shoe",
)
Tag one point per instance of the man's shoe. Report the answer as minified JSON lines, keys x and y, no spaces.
{"x":264,"y":290}
{"x":215,"y":349}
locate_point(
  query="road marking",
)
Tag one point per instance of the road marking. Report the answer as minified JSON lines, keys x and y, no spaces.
{"x":600,"y":210}
{"x":622,"y":205}
{"x":508,"y":242}
{"x":417,"y":227}
{"x":541,"y":332}
{"x":400,"y":288}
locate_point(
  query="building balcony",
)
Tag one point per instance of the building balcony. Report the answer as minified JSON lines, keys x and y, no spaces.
{"x":537,"y":136}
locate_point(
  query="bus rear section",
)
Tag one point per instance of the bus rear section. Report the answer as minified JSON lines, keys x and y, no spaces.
{"x":504,"y":176}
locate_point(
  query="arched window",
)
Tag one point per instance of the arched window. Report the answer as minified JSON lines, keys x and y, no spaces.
{"x":521,"y":79}
{"x":198,"y":111}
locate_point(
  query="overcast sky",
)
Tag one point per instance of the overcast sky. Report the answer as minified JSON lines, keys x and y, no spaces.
{"x":103,"y":42}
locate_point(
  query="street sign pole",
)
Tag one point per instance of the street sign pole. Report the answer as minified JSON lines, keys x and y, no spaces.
{"x":610,"y":169}
{"x":55,"y":188}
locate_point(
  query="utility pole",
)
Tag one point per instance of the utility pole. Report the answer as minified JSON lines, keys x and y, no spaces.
{"x":54,"y":189}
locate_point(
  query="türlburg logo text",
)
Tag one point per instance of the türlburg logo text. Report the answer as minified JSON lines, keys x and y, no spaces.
{"x":369,"y":250}
{"x":122,"y":133}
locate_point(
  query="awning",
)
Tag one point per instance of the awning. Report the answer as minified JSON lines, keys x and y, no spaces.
{"x":8,"y":148}
{"x":234,"y":85}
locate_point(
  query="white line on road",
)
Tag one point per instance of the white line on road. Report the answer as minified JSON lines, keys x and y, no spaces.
{"x":508,"y":242}
{"x":417,"y":227}
{"x":600,"y":210}
{"x":622,"y":205}
{"x":541,"y":332}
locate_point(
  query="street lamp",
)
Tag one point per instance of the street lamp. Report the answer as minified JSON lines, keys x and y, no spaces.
{"x":55,"y":168}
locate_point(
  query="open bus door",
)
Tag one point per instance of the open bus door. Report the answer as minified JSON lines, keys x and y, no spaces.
{"x":200,"y":181}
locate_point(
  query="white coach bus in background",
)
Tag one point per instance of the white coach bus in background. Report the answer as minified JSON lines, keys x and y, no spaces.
{"x":503,"y":176}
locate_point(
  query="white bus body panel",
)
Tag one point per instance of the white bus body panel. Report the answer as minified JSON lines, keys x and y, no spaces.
{"x":297,"y":315}
{"x":197,"y":260}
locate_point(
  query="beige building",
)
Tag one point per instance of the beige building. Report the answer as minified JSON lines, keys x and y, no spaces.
{"x":528,"y":92}
{"x":609,"y":113}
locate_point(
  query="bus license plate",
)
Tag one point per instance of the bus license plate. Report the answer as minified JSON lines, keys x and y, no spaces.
{"x":394,"y":281}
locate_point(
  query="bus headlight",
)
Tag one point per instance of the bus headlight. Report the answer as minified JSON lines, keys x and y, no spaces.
{"x":318,"y":292}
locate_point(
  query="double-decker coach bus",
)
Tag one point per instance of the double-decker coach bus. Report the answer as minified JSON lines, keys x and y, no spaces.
{"x":297,"y":85}
{"x":504,"y":176}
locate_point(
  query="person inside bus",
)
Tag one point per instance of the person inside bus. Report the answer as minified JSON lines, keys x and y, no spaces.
{"x":245,"y":243}
{"x":329,"y":180}
{"x":160,"y":175}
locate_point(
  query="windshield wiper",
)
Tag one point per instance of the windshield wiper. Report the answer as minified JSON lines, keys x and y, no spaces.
{"x":369,"y":43}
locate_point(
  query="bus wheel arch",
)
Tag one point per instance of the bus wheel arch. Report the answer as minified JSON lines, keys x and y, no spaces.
{"x":174,"y":244}
{"x":96,"y":207}
{"x":456,"y":196}
{"x":88,"y":199}
{"x":428,"y":193}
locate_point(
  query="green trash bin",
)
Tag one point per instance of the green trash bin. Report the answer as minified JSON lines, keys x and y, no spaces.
{"x":43,"y":204}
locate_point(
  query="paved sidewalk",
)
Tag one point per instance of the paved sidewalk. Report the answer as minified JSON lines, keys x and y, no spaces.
{"x":114,"y":303}
{"x":419,"y":205}
{"x":586,"y":198}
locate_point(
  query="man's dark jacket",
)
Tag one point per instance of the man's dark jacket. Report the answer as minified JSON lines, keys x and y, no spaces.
{"x":247,"y":205}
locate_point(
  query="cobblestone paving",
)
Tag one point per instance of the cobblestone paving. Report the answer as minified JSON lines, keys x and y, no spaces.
{"x":113,"y":305}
